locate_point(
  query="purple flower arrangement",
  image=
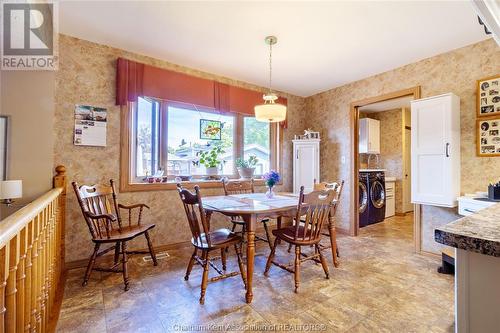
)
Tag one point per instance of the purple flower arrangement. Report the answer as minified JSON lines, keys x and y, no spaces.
{"x":272,"y":178}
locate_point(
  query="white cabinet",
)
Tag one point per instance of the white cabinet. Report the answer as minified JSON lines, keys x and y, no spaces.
{"x":369,"y":136}
{"x":435,"y":150}
{"x":305,"y":164}
{"x":390,"y":199}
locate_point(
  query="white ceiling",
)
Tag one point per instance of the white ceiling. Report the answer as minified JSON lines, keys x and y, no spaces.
{"x":321,"y":45}
{"x":390,"y":104}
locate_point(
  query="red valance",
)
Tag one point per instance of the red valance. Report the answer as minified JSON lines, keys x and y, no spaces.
{"x":134,"y":79}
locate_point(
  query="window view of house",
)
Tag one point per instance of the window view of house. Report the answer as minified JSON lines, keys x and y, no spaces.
{"x":256,"y":142}
{"x":185,"y":144}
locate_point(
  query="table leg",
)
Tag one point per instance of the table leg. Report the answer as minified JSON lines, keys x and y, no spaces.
{"x":333,"y":241}
{"x":278,"y":226}
{"x":250,"y":221}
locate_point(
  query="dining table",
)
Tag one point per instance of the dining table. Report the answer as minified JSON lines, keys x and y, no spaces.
{"x":252,"y":208}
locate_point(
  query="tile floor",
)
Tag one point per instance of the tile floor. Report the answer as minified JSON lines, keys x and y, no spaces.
{"x":381,"y":286}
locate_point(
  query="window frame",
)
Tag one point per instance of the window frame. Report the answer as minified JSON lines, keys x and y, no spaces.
{"x":130,"y":183}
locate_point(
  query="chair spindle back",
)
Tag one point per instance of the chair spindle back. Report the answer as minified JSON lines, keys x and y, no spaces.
{"x":195,"y":213}
{"x":313,"y":210}
{"x":98,"y":199}
{"x":238,"y":186}
{"x":335,"y":186}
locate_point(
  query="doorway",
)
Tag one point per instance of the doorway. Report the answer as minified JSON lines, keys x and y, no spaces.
{"x":412,"y":93}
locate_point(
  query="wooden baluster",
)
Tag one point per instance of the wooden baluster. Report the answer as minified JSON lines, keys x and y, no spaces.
{"x":20,"y":279}
{"x":43,"y":269}
{"x":4,"y":273}
{"x":10,"y":293}
{"x":35,"y":283}
{"x":53,"y":256}
{"x":28,"y":281}
{"x":48,"y":277}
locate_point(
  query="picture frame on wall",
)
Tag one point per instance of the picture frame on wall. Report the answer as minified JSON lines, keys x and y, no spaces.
{"x":488,"y":136}
{"x":488,"y":96}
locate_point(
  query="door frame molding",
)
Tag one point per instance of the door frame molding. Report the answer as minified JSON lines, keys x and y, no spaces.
{"x":354,"y":124}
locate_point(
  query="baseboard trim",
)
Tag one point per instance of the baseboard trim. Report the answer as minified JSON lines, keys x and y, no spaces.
{"x":82,"y":263}
{"x":430,"y":254}
{"x":342,"y":231}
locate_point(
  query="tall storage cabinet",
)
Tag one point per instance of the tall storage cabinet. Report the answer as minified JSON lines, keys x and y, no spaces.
{"x":305,"y":164}
{"x":369,"y":136}
{"x":435,"y":150}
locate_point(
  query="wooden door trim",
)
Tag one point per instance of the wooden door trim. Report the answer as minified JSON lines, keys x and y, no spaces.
{"x":354,"y":124}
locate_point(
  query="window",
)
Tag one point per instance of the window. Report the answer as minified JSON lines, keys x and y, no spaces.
{"x":256,"y":142}
{"x":185,"y":145}
{"x":146,"y":138}
{"x":168,"y":140}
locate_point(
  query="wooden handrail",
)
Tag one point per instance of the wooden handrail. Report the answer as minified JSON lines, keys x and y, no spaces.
{"x":12,"y":224}
{"x":32,"y":261}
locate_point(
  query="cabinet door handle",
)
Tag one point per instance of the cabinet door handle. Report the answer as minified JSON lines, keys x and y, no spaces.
{"x":447,"y":149}
{"x":469,"y":210}
{"x":297,"y":154}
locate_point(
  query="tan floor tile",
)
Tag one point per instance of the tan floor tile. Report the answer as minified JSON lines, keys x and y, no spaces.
{"x":380,"y":286}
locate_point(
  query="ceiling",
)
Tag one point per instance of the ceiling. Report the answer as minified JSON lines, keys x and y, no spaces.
{"x":390,"y":104}
{"x":321,"y":45}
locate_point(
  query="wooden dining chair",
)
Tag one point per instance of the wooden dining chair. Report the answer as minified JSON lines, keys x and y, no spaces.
{"x":206,"y":240}
{"x":232,"y":187}
{"x":314,"y":208}
{"x":101,"y":211}
{"x":331,"y":233}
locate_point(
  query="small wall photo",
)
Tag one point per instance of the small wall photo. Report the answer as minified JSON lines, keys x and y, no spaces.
{"x":488,"y":96}
{"x":488,"y":136}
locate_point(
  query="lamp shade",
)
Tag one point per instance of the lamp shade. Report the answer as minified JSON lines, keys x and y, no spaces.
{"x":270,"y":112}
{"x":11,"y":189}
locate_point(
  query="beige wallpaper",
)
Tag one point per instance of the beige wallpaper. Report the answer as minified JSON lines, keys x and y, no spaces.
{"x":87,"y":76}
{"x":455,"y":71}
{"x":391,"y":148}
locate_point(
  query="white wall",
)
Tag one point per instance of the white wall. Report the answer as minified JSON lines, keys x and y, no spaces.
{"x":28,"y":98}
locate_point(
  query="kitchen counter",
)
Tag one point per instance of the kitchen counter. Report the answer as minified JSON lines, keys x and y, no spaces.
{"x":476,"y":239}
{"x":479,"y":232}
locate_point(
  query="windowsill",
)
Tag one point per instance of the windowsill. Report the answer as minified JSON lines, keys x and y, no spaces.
{"x":172,"y":185}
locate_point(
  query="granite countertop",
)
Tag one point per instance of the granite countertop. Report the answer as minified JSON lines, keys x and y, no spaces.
{"x":479,"y":232}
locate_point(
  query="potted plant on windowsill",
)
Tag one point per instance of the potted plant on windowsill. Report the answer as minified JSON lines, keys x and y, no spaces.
{"x":210,"y":159}
{"x":246,"y":168}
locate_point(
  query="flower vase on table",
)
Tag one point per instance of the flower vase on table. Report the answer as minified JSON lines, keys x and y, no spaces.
{"x":271,"y":178}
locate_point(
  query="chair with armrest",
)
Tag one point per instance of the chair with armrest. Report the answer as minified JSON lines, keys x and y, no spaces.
{"x":101,"y":211}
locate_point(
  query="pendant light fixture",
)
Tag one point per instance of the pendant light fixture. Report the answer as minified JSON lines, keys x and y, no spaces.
{"x":270,"y":111}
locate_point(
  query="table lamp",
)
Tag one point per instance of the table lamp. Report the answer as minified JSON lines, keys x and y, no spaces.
{"x":10,"y":189}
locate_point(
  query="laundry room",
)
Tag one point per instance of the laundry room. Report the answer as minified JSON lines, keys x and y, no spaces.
{"x":384,"y":163}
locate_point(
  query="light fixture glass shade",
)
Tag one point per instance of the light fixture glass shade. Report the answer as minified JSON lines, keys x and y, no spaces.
{"x":270,"y":112}
{"x":11,"y":189}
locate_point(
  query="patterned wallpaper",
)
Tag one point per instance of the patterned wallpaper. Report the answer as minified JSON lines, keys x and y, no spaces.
{"x":87,"y":76}
{"x":455,"y":71}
